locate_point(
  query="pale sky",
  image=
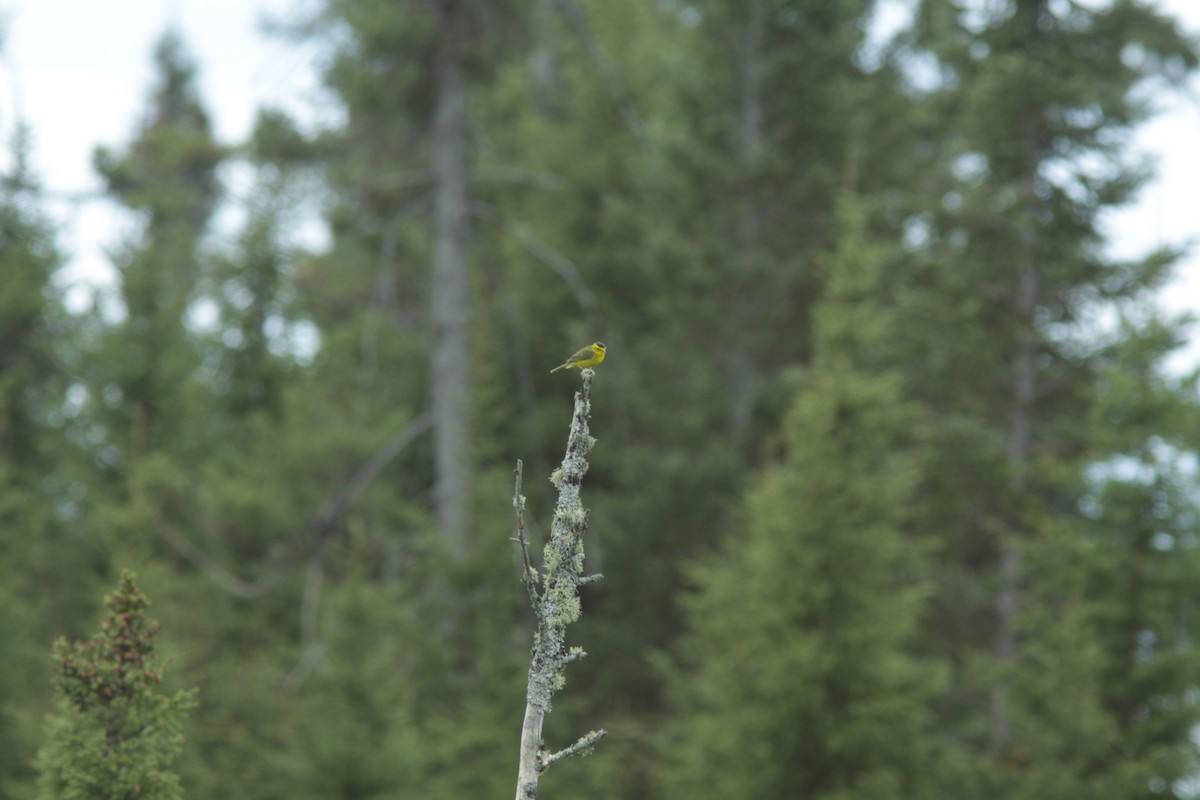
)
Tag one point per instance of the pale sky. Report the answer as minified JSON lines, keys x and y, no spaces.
{"x":79,"y":72}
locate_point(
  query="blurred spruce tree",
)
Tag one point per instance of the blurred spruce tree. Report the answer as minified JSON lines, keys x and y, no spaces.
{"x":797,"y":677}
{"x":1140,"y":551}
{"x":113,"y":735}
{"x":388,"y":597}
{"x":49,"y":569}
{"x":144,"y":388}
{"x":194,"y":475}
{"x":1004,"y":320}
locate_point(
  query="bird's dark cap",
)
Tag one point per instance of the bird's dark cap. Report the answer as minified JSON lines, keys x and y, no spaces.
{"x":601,"y":345}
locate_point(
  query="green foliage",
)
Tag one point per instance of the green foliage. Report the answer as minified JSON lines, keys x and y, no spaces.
{"x":814,"y":502}
{"x":1140,"y":519}
{"x":39,"y":470}
{"x":1003,"y":347}
{"x":31,"y":326}
{"x":801,"y":626}
{"x":113,"y":734}
{"x":141,"y":372}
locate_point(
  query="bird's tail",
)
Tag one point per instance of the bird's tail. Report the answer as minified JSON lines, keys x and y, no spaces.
{"x":556,"y":369}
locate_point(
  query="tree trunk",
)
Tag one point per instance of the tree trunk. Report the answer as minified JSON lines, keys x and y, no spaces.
{"x":1018,"y":441}
{"x":450,"y":292}
{"x":742,"y":373}
{"x":1018,"y":453}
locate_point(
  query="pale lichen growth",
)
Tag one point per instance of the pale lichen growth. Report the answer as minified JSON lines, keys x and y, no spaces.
{"x":562,"y":606}
{"x":558,"y":604}
{"x":573,"y":608}
{"x":552,"y":559}
{"x":571,"y":517}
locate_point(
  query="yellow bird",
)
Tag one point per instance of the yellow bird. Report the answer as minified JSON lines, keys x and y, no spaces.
{"x":589,"y":356}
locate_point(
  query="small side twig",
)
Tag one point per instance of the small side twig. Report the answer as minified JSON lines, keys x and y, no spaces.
{"x":215,"y":572}
{"x":530,"y":576}
{"x":609,"y":73}
{"x":321,"y":525}
{"x":557,"y":604}
{"x":566,"y":269}
{"x":336,"y":507}
{"x":585,"y":745}
{"x":574,"y":654}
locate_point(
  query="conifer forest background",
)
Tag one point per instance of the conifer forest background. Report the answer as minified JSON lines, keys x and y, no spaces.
{"x":892,"y":493}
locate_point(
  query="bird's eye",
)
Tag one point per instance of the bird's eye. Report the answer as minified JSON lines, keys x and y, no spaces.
{"x":600,"y":345}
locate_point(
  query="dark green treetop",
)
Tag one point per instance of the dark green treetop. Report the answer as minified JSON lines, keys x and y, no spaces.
{"x":113,"y":735}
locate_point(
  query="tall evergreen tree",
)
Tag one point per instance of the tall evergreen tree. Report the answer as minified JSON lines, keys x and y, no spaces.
{"x":1038,"y":99}
{"x":167,"y":175}
{"x":28,"y":365}
{"x":38,"y":468}
{"x":193,"y":478}
{"x":643,"y":241}
{"x":634,"y":222}
{"x":398,"y":568}
{"x":794,"y":102}
{"x":1142,"y":554}
{"x":400,"y":168}
{"x":798,"y":680}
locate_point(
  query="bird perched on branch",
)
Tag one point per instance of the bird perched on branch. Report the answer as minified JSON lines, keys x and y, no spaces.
{"x":589,"y":356}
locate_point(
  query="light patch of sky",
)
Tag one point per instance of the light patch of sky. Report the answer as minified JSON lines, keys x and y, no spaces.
{"x":79,"y":74}
{"x":1164,"y":213}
